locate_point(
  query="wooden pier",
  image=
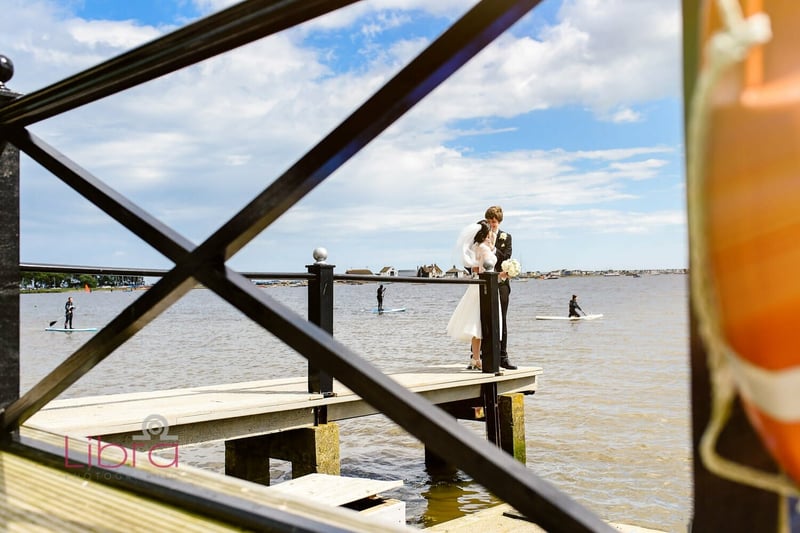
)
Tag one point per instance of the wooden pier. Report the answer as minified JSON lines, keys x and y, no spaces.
{"x":277,"y":418}
{"x":70,"y":492}
{"x":235,"y":410}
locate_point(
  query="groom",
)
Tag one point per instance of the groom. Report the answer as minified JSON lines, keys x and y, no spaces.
{"x":502,"y":249}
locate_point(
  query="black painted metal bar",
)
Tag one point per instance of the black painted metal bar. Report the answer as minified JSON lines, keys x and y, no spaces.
{"x":320,"y":312}
{"x":490,"y":352}
{"x":490,"y":322}
{"x":9,"y":269}
{"x":491,"y":412}
{"x":92,"y":270}
{"x":158,"y":272}
{"x":233,"y":27}
{"x":148,"y":272}
{"x":403,"y":279}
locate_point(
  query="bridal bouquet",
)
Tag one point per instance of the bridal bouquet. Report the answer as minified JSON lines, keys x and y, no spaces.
{"x":511,"y":267}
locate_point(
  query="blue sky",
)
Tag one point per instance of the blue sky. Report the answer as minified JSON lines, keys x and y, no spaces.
{"x":571,"y":121}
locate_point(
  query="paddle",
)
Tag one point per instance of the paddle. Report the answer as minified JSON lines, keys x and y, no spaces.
{"x":56,"y":320}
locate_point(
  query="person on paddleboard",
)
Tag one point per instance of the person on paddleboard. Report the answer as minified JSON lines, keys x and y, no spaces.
{"x":574,"y":307}
{"x":381,"y":290}
{"x":69,"y":309}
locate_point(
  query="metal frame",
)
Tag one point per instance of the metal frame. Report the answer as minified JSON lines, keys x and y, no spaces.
{"x":243,"y":23}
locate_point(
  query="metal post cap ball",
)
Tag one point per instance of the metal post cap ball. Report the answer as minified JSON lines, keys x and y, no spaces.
{"x":320,"y":255}
{"x":6,"y":69}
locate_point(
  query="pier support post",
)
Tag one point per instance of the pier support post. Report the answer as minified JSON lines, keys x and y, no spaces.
{"x":509,"y":426}
{"x":310,"y":450}
{"x":320,"y":312}
{"x":437,"y":465}
{"x":512,"y":425}
{"x":9,"y":255}
{"x":248,"y":459}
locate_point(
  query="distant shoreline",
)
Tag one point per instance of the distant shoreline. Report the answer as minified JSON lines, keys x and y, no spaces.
{"x":553,"y":274}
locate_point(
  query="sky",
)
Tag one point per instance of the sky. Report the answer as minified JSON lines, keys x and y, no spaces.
{"x":571,"y":121}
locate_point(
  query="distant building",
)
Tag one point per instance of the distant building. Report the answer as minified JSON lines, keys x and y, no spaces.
{"x":388,"y":271}
{"x":430,"y":271}
{"x":360,"y":271}
{"x":455,"y":272}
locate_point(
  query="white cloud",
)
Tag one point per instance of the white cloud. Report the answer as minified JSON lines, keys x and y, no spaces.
{"x":115,"y":35}
{"x":194,"y":146}
{"x":625,"y":115}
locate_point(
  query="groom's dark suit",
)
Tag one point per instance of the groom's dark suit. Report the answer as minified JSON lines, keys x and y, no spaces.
{"x":502,"y":249}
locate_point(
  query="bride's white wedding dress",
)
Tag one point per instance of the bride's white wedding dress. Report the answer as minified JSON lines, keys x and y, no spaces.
{"x":465,"y":322}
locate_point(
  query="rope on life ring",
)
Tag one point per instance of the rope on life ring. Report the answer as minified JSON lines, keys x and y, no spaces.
{"x":725,"y":49}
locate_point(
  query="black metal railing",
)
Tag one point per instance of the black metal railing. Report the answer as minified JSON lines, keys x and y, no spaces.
{"x":320,"y":278}
{"x":206,"y":262}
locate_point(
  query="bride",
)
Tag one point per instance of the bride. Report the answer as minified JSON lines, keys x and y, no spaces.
{"x":477,"y":252}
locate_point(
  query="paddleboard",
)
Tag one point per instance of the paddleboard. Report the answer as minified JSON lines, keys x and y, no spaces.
{"x":68,"y":330}
{"x":587,"y":317}
{"x":388,"y":310}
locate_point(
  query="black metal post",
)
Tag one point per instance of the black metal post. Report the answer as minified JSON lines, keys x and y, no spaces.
{"x":9,"y":254}
{"x":490,"y":322}
{"x":490,"y":352}
{"x":320,"y":312}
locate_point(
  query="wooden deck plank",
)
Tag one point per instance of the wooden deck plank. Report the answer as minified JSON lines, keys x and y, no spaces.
{"x":48,"y":499}
{"x":222,"y":412}
{"x":334,"y":490}
{"x":38,"y":497}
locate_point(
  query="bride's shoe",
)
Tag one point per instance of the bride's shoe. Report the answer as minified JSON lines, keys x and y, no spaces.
{"x":474,"y":364}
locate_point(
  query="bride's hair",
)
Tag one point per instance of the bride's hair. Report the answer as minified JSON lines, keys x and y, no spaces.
{"x":480,"y":236}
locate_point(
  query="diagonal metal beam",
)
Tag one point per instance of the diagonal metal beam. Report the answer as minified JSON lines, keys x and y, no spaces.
{"x":221,"y":32}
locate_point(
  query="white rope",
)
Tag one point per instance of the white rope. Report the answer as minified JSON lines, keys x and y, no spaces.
{"x":726,"y":48}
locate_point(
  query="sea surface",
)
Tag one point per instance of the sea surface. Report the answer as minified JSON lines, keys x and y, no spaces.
{"x":609,"y":425}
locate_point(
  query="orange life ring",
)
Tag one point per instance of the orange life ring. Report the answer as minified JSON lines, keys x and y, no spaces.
{"x":752,"y":192}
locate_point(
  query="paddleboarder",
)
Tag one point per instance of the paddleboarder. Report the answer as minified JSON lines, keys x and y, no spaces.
{"x":574,"y":307}
{"x":69,"y":309}
{"x":381,"y":290}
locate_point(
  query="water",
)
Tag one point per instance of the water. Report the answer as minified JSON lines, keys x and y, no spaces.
{"x":609,"y":425}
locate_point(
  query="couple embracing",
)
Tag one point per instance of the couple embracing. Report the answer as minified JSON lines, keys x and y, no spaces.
{"x":482,"y":245}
